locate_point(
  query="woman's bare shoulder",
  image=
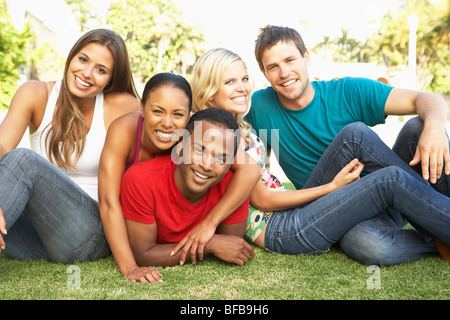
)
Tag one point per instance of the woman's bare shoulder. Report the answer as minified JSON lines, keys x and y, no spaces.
{"x":123,"y":101}
{"x":31,"y":98}
{"x":120,"y":138}
{"x":119,"y":104}
{"x":35,"y":90}
{"x":126,"y":122}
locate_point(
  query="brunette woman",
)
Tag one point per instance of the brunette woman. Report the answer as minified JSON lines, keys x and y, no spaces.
{"x":48,"y":195}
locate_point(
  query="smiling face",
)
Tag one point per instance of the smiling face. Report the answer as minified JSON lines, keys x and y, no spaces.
{"x":166,"y":110}
{"x":90,"y":71}
{"x":234,"y":90}
{"x":206,"y":155}
{"x":287,"y":71}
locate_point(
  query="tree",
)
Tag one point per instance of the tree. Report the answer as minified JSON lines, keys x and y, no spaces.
{"x":84,"y":13}
{"x":12,"y":55}
{"x":390,"y":44}
{"x":156,"y":36}
{"x":341,"y":49}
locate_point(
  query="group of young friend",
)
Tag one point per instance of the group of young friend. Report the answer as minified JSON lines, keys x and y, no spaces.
{"x":181,"y":173}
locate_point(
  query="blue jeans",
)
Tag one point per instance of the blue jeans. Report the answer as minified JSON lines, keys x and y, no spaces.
{"x":405,"y":146}
{"x":47,"y":215}
{"x":365,"y":214}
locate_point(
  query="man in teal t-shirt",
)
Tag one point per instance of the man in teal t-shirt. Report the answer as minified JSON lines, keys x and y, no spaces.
{"x":305,"y":116}
{"x":304,"y":134}
{"x":309,"y":114}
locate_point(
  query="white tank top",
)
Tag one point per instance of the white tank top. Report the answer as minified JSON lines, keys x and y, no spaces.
{"x":86,"y":172}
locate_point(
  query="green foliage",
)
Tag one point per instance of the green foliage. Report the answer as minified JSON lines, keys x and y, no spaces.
{"x":45,"y":62}
{"x":157,"y":37}
{"x":12,"y":55}
{"x":83,"y":11}
{"x":341,"y":49}
{"x":389,"y":46}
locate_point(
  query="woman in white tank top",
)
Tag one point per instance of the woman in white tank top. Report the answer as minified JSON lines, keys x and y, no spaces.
{"x":48,"y":196}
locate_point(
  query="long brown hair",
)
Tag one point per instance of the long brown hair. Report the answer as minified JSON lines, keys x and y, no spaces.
{"x":67,"y":133}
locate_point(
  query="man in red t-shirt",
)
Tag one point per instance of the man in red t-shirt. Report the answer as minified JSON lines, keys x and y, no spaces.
{"x":162,"y":201}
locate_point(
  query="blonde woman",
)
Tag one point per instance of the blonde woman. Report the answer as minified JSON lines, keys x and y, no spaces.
{"x":312,"y":219}
{"x":48,"y":195}
{"x":220,"y":80}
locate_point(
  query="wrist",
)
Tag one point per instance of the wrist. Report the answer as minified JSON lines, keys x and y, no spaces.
{"x":210,"y":245}
{"x":330,"y":187}
{"x":211,"y":221}
{"x":435,"y":124}
{"x":125,"y":270}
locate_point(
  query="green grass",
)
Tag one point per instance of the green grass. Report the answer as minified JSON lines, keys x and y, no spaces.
{"x":331,"y":276}
{"x":268,"y":277}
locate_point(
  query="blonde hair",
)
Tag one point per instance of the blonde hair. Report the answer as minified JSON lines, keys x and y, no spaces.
{"x":206,"y":78}
{"x":67,"y":131}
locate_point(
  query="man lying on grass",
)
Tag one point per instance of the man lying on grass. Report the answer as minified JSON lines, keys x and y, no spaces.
{"x":164,"y":198}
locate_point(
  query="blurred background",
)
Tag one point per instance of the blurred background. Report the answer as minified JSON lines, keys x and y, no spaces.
{"x":405,"y":43}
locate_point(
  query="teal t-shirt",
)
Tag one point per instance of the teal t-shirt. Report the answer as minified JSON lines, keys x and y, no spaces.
{"x":299,"y":137}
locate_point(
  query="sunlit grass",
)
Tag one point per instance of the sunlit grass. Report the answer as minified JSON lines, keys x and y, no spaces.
{"x":332,"y":276}
{"x":268,"y":277}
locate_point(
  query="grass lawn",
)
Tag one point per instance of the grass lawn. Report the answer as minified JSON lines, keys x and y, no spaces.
{"x":332,"y":276}
{"x":268,"y":277}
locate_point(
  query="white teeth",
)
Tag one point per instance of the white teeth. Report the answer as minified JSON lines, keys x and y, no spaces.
{"x":200,"y":175}
{"x":84,"y":84}
{"x":164,"y":135}
{"x":287,"y":84}
{"x":239,"y":99}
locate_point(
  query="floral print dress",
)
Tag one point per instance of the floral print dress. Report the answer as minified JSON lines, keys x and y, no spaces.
{"x":257,"y":219}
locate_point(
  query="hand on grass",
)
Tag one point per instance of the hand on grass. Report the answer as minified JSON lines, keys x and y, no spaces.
{"x":143,"y":274}
{"x":231,"y":249}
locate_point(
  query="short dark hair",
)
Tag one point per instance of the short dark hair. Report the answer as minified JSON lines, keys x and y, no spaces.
{"x":271,"y":35}
{"x":167,"y":79}
{"x":216,"y":116}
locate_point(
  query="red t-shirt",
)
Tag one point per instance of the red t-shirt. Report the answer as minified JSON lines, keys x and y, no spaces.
{"x":149,"y":195}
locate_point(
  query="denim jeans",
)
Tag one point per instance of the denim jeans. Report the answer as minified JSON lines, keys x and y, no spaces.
{"x":377,"y":241}
{"x":368,"y":214}
{"x":405,"y":146}
{"x":47,"y":215}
